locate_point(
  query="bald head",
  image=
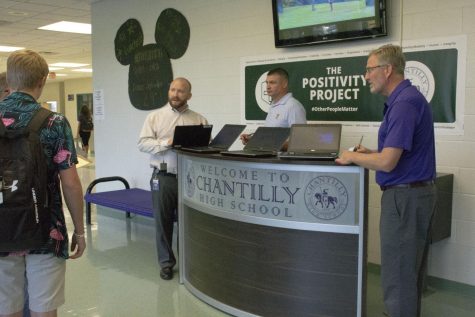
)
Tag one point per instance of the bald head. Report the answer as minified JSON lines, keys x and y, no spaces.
{"x":179,"y":93}
{"x":184,"y":81}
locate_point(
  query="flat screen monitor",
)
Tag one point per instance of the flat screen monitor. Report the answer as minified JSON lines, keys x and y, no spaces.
{"x":308,"y":22}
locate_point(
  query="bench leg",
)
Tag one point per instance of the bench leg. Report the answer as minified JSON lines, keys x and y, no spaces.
{"x":88,"y":213}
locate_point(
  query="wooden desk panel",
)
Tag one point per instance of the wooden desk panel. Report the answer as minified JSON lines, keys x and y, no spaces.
{"x":272,"y":271}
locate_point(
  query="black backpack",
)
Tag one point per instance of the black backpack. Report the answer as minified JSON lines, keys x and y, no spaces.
{"x":88,"y":125}
{"x":25,"y":216}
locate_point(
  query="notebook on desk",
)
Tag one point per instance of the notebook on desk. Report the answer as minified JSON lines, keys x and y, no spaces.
{"x":313,"y":142}
{"x":223,"y":140}
{"x":191,"y":135}
{"x":265,"y":142}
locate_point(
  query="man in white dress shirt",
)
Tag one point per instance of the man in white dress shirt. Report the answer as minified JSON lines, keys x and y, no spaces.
{"x":156,"y":139}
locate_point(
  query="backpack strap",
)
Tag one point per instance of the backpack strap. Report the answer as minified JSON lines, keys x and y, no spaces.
{"x":38,"y":119}
{"x":35,"y":123}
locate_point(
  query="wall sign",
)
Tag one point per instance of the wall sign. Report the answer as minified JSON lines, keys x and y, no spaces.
{"x":332,"y":87}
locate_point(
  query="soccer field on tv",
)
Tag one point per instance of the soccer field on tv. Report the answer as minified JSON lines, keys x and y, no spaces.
{"x":298,"y":16}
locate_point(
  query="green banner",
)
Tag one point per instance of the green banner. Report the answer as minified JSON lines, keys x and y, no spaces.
{"x":334,"y":89}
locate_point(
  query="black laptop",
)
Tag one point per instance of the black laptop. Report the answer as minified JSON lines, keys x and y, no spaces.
{"x":221,"y":142}
{"x":191,"y":135}
{"x":313,"y":142}
{"x":265,"y":142}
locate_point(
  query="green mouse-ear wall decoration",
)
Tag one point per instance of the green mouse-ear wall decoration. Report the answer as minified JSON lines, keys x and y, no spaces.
{"x":150,"y":70}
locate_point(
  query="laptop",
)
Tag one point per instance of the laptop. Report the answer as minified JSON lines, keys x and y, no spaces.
{"x":223,"y":140}
{"x":191,"y":135}
{"x":265,"y":142}
{"x":313,"y":142}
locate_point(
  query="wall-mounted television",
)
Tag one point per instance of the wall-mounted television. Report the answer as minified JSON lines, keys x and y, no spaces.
{"x":308,"y":22}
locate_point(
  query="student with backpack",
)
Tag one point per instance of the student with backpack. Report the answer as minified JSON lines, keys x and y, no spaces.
{"x":85,"y":127}
{"x":37,"y":159}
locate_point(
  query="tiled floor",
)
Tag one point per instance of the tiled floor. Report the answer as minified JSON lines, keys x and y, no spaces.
{"x":118,"y":276}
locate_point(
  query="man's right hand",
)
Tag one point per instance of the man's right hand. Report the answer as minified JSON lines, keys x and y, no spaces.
{"x":245,"y":138}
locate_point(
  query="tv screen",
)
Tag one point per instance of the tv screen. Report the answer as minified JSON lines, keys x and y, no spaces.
{"x":307,"y":22}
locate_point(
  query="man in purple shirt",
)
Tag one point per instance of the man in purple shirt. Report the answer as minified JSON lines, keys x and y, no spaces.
{"x":405,"y":170}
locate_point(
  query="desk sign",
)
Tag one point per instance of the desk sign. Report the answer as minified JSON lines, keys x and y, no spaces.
{"x":307,"y":193}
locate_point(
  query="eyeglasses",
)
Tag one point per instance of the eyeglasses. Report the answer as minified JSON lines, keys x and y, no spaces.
{"x":370,"y":69}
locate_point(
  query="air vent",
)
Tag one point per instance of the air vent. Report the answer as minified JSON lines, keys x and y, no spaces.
{"x":47,"y":53}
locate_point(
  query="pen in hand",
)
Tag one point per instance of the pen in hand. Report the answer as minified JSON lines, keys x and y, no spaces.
{"x":246,"y":137}
{"x":359,"y":145}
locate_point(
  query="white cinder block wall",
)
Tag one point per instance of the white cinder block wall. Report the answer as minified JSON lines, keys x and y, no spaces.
{"x":223,"y":31}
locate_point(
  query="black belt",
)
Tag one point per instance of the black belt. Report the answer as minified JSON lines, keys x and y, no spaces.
{"x":156,"y":170}
{"x":409,"y":185}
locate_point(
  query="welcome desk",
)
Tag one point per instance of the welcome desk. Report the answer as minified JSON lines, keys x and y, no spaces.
{"x":269,"y":237}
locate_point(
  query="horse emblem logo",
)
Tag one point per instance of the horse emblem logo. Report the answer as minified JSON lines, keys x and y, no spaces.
{"x":190,"y":182}
{"x":326,"y":197}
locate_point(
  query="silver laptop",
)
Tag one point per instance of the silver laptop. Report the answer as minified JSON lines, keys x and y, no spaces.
{"x":265,"y":142}
{"x":223,"y":140}
{"x":313,"y":142}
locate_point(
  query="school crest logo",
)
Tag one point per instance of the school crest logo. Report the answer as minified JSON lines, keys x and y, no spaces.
{"x":262,"y":98}
{"x":190,"y":185}
{"x":421,"y":76}
{"x":326,"y":197}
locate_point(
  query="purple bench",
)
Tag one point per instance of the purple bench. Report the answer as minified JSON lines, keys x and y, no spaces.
{"x":130,"y":200}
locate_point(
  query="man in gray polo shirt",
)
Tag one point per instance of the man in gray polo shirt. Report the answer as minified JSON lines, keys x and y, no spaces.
{"x":284,"y":110}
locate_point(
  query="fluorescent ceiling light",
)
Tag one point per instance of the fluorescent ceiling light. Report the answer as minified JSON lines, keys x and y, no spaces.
{"x":56,"y":75}
{"x":70,"y":27}
{"x":18,"y":13}
{"x":53,"y":76}
{"x":83,"y":70}
{"x":10,"y":48}
{"x":68,"y":65}
{"x":55,"y":68}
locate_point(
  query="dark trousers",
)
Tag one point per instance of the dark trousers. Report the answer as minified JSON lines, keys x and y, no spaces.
{"x":406,"y":215}
{"x":165,"y":202}
{"x":85,"y":136}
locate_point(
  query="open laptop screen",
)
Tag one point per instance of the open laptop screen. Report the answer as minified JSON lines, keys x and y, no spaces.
{"x":268,"y":139}
{"x":315,"y":137}
{"x":192,"y":135}
{"x":227,"y":135}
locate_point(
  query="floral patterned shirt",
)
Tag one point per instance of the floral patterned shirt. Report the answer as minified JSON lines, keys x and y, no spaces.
{"x":56,"y":136}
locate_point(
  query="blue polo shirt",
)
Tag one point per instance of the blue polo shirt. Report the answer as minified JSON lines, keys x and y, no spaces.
{"x":408,"y":125}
